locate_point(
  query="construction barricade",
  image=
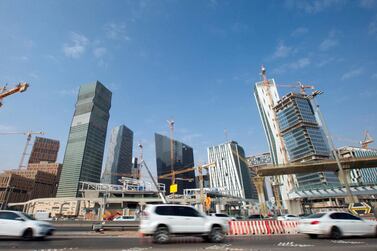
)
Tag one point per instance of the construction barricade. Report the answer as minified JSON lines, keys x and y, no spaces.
{"x":262,"y":227}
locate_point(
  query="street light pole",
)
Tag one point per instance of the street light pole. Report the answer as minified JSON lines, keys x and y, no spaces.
{"x":332,"y":146}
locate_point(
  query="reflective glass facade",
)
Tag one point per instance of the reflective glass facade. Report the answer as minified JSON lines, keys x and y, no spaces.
{"x":301,"y":133}
{"x":183,"y":158}
{"x":86,"y":141}
{"x":119,"y":158}
{"x":303,"y":137}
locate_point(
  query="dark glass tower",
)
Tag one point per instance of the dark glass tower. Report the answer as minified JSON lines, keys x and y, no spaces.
{"x":183,"y":158}
{"x":303,"y":137}
{"x":119,"y":159}
{"x":86,"y":141}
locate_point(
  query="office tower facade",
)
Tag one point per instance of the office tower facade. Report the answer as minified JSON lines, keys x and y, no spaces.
{"x":363,"y":176}
{"x":86,"y":141}
{"x":119,"y":158}
{"x":183,"y":158}
{"x":44,"y":149}
{"x":303,"y":137}
{"x":231,"y":172}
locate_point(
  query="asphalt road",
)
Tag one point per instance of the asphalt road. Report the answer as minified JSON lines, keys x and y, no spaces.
{"x":260,"y":243}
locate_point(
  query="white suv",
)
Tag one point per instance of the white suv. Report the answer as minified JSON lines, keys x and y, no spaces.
{"x":14,"y":223}
{"x":164,"y":220}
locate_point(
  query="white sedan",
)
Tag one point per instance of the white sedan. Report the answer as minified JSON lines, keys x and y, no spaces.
{"x":288,"y":217}
{"x":336,"y":225}
{"x":125,"y":218}
{"x":18,"y":224}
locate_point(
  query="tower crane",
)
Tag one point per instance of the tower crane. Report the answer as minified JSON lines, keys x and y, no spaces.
{"x":299,"y":85}
{"x":367,"y":140}
{"x":28,"y":139}
{"x":4,"y":92}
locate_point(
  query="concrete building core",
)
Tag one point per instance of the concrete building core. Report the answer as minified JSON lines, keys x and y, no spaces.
{"x":44,"y":149}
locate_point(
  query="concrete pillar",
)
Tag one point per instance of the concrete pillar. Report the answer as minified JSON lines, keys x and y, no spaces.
{"x":259,"y":184}
{"x":345,"y":179}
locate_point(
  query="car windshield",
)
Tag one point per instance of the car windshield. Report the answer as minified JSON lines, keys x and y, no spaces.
{"x":28,"y":216}
{"x":315,"y":216}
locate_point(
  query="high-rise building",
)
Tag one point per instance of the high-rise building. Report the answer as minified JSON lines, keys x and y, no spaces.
{"x":119,"y":158}
{"x":183,"y":158}
{"x":44,"y":149}
{"x":362,"y":176}
{"x":231,"y":172}
{"x":303,"y":137}
{"x":266,"y":97}
{"x":86,"y":141}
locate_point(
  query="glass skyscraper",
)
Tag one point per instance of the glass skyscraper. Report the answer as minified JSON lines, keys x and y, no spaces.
{"x":303,"y":137}
{"x":86,"y":141}
{"x":183,"y":158}
{"x":119,"y":159}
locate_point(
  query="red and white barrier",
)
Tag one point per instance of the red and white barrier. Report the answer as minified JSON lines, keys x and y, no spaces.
{"x":265,"y":227}
{"x":262,"y":227}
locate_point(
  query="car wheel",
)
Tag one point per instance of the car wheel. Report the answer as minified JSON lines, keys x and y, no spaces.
{"x":28,"y":234}
{"x":313,"y":236}
{"x":161,"y":235}
{"x":335,"y":233}
{"x":216,"y":235}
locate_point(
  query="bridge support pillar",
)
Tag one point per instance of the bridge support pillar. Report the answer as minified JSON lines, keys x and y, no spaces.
{"x":345,"y":180}
{"x":259,"y":184}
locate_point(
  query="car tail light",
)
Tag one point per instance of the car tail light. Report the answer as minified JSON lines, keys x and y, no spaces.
{"x":315,"y":222}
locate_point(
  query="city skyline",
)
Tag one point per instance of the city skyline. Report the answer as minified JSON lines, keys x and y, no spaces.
{"x":218,"y":88}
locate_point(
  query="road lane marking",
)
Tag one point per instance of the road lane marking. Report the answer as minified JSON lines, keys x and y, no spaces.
{"x":347,"y":242}
{"x":292,"y":244}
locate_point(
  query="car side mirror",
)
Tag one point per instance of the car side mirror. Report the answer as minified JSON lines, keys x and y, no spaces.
{"x":19,"y":219}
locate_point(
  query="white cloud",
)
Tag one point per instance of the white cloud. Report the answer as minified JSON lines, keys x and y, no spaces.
{"x":7,"y":128}
{"x":282,"y":51}
{"x":77,"y":45}
{"x":373,"y":26}
{"x":368,"y":4}
{"x":313,"y":6}
{"x":352,"y":73}
{"x":299,"y":31}
{"x":69,"y":92}
{"x":116,"y":31}
{"x":329,"y":42}
{"x":296,"y":65}
{"x":99,"y":52}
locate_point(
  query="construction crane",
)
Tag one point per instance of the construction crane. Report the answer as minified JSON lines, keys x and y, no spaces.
{"x":299,"y":85}
{"x":367,"y":140}
{"x":276,"y":183}
{"x":363,"y":143}
{"x":28,"y":139}
{"x":21,"y":87}
{"x":190,"y":169}
{"x":171,"y":129}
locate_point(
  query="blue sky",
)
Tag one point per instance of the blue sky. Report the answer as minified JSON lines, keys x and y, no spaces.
{"x":193,"y":61}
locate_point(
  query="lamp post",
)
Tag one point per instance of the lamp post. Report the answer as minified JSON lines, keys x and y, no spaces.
{"x":331,"y":144}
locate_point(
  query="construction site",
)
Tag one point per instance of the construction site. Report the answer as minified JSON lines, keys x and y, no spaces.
{"x":228,"y":183}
